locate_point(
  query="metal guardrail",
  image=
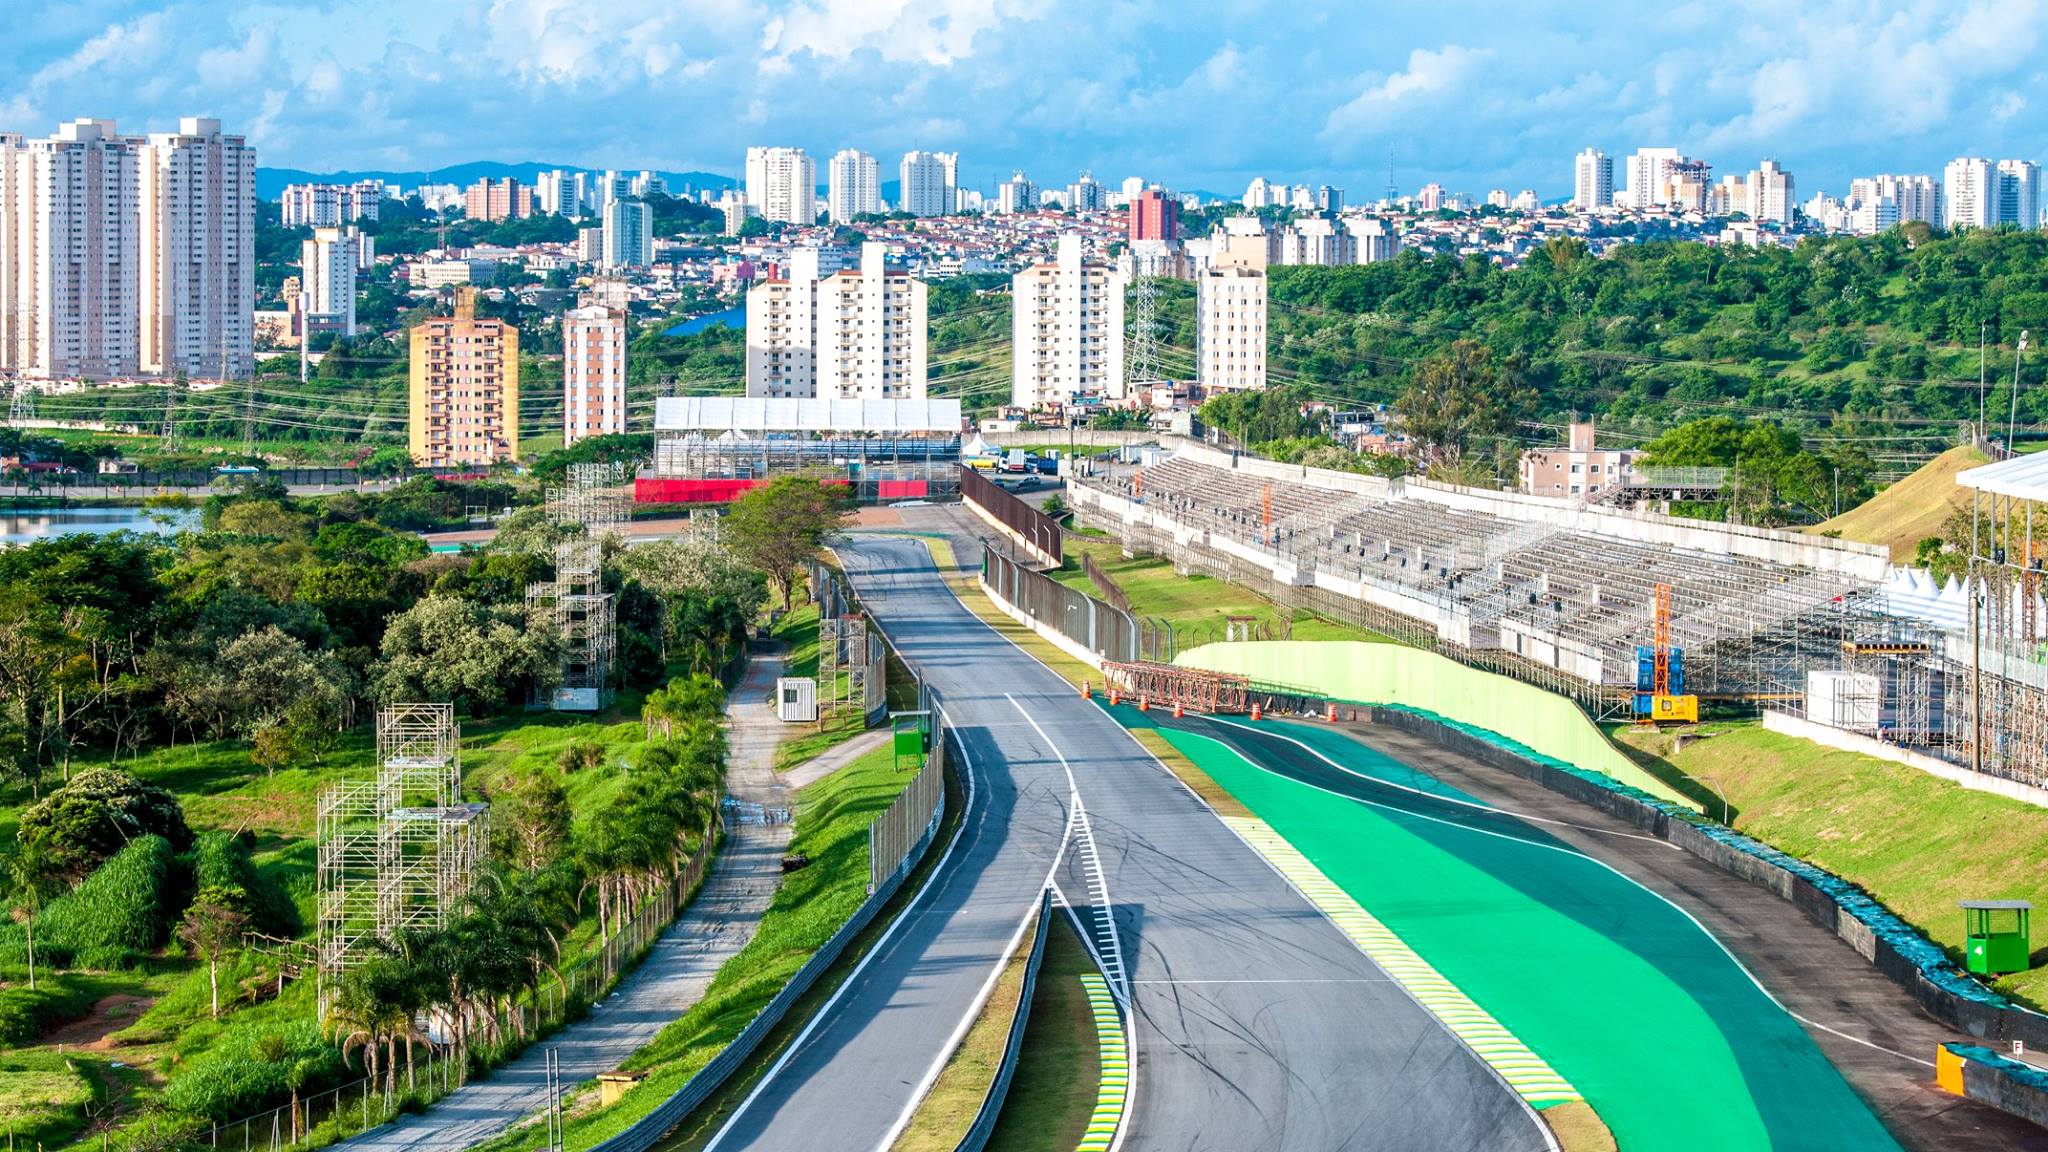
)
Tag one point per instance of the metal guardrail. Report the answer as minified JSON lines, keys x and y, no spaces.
{"x":984,"y":1124}
{"x":1029,"y":524}
{"x":650,"y":1129}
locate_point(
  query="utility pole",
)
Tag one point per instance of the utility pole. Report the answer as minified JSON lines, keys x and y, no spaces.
{"x":2012,"y":447}
{"x":1983,"y":326}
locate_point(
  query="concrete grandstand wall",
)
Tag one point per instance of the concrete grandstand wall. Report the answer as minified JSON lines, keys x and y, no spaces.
{"x":1414,"y":678}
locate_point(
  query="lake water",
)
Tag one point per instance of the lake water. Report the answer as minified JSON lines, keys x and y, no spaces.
{"x":730,"y":318}
{"x":21,"y":526}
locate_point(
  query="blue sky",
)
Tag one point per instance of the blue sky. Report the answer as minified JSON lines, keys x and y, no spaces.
{"x":1193,"y":93}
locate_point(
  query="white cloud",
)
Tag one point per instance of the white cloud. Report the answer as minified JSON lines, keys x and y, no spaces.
{"x":120,"y":44}
{"x":1430,"y":73}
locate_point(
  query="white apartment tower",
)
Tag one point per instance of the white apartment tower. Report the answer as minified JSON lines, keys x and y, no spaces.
{"x":328,"y":264}
{"x":562,"y":193}
{"x":196,"y":191}
{"x":859,"y":334}
{"x":1592,"y":180}
{"x":1372,"y":239}
{"x":929,"y":183}
{"x":1318,"y":240}
{"x":1066,"y":330}
{"x":70,"y":253}
{"x":856,"y":185}
{"x":1230,"y":327}
{"x":593,"y":373}
{"x":1969,"y":192}
{"x":782,"y":184}
{"x":1649,"y":173}
{"x":628,"y":235}
{"x":1017,"y":194}
{"x":1770,"y":194}
{"x":2019,"y":193}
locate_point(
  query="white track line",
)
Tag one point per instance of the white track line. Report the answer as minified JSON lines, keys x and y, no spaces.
{"x":853,"y":977}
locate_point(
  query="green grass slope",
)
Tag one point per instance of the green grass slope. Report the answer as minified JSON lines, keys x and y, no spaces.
{"x":1911,"y":510}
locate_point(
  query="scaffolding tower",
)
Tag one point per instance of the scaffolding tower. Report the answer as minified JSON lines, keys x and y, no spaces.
{"x":574,"y":604}
{"x":590,"y":496}
{"x":585,"y":619}
{"x":23,"y":407}
{"x":396,"y":851}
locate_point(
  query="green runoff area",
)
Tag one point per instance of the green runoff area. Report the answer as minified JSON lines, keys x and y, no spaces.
{"x":1916,"y":843}
{"x":1638,"y":1007}
{"x":1197,"y":606}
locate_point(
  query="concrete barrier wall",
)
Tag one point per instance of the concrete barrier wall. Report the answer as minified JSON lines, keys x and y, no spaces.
{"x":1398,"y":674}
{"x":991,"y":1111}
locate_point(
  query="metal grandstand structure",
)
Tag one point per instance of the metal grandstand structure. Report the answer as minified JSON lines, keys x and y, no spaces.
{"x":1547,"y":600}
{"x":1999,"y":683}
{"x":396,"y":850}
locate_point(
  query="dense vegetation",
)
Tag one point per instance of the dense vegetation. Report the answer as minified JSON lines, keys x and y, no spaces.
{"x":168,"y":709}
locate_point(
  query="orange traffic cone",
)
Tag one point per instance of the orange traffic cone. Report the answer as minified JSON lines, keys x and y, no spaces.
{"x":1084,"y":688}
{"x":1331,"y":712}
{"x":1177,"y":713}
{"x":1257,"y":711}
{"x":1144,"y":704}
{"x":1114,"y":695}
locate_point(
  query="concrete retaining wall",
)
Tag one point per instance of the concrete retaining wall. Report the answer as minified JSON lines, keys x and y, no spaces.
{"x":1831,"y":737}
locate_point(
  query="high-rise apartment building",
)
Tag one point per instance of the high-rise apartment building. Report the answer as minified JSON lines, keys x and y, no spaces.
{"x":929,"y":183}
{"x":1592,"y":180}
{"x":1969,"y":193}
{"x":644,"y":183}
{"x":465,"y":389}
{"x":563,"y":193}
{"x":70,"y":253}
{"x":1085,"y":195}
{"x":782,"y":184}
{"x":1329,"y":200}
{"x":855,"y":185}
{"x":501,"y":199}
{"x":858,"y":334}
{"x":1230,"y":327}
{"x":1259,"y":194}
{"x":328,"y":264}
{"x":1372,"y":239}
{"x":1066,"y":329}
{"x":326,"y":205}
{"x":1317,"y":240}
{"x":196,"y":194}
{"x":1431,"y":198}
{"x":1017,"y":194}
{"x":1649,"y":176}
{"x":593,"y":373}
{"x":2019,"y":193}
{"x":1154,"y":216}
{"x":628,"y":235}
{"x":1770,"y":195}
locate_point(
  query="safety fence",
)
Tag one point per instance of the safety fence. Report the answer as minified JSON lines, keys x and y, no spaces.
{"x":1106,"y":584}
{"x":338,"y":1113}
{"x":896,"y":831}
{"x":1098,"y":627}
{"x":984,"y":1124}
{"x":1031,"y":527}
{"x":650,"y":1129}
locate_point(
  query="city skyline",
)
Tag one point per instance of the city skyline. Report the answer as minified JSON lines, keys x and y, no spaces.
{"x":1261,"y":91}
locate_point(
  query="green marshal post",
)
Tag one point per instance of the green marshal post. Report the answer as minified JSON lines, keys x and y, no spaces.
{"x":1995,"y":937}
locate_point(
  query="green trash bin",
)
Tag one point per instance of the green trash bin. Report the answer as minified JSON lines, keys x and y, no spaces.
{"x":1995,"y":936}
{"x":909,"y":737}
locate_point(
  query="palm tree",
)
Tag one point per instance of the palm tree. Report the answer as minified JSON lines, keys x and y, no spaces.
{"x":30,"y":880}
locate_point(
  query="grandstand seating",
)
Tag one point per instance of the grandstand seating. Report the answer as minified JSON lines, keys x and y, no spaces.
{"x":1581,"y":588}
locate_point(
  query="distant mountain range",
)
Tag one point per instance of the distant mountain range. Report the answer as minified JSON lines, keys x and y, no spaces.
{"x":270,"y":182}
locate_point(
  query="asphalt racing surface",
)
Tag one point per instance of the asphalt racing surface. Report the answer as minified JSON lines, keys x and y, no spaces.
{"x":1604,"y":949}
{"x":1258,"y":1025}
